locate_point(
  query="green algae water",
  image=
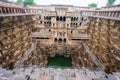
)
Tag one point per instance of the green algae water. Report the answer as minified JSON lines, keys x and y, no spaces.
{"x":59,"y":61}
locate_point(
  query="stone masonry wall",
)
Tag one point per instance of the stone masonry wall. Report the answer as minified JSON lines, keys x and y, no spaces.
{"x":105,"y":42}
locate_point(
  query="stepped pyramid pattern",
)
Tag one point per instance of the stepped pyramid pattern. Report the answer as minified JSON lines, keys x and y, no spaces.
{"x":30,"y":35}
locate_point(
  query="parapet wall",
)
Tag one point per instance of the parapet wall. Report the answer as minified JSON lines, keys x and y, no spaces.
{"x":13,"y":8}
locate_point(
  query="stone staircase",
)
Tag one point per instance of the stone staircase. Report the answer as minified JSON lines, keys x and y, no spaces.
{"x":36,"y":73}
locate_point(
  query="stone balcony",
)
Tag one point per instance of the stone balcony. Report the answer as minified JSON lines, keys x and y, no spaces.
{"x":79,"y":37}
{"x":10,"y":4}
{"x":19,"y":14}
{"x":41,"y":35}
{"x":112,"y":12}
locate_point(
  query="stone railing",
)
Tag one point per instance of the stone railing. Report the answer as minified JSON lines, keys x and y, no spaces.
{"x":112,"y":12}
{"x":79,"y":37}
{"x":13,"y":8}
{"x":116,"y":7}
{"x":41,"y":35}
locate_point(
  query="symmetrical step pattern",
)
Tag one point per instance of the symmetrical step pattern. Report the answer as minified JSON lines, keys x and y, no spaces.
{"x":105,"y":42}
{"x":36,"y":73}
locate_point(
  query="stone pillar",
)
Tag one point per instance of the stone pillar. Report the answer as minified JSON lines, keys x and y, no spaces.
{"x":68,"y":21}
{"x":53,"y":22}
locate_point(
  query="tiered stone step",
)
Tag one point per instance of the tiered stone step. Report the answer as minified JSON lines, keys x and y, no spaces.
{"x":36,"y":73}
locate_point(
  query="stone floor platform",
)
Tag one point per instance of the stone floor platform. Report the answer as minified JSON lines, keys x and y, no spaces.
{"x":36,"y":73}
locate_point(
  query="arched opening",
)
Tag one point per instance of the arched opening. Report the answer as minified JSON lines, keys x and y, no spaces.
{"x":67,"y":25}
{"x":55,"y":40}
{"x":7,"y":10}
{"x":80,"y":24}
{"x":40,"y":22}
{"x":47,"y":18}
{"x":76,"y":24}
{"x":72,"y":19}
{"x":49,"y":30}
{"x":3,"y":10}
{"x":1,"y":45}
{"x":60,"y":18}
{"x":50,"y":23}
{"x":44,"y":22}
{"x":77,"y":19}
{"x":64,"y":18}
{"x":11,"y":10}
{"x":82,"y":19}
{"x":44,"y":17}
{"x":0,"y":10}
{"x":53,"y":24}
{"x":64,"y":40}
{"x":57,"y":18}
{"x":60,"y":40}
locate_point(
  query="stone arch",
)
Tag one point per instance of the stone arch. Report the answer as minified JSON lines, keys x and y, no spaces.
{"x":64,"y":40}
{"x":1,"y":45}
{"x":3,"y":9}
{"x":61,"y":18}
{"x":46,"y":17}
{"x":76,"y":24}
{"x":80,"y":24}
{"x":49,"y":18}
{"x":55,"y":40}
{"x":49,"y":30}
{"x":64,"y":18}
{"x":7,"y":10}
{"x":10,"y":10}
{"x":72,"y":19}
{"x":57,"y":18}
{"x":60,"y":40}
{"x":77,"y":19}
{"x":0,"y":10}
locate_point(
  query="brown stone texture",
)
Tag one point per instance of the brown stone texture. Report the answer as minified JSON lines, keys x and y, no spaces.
{"x":15,"y":37}
{"x":105,"y":41}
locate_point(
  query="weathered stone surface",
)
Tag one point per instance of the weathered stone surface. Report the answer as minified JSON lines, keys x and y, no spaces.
{"x":59,"y":31}
{"x":105,"y":42}
{"x":15,"y":37}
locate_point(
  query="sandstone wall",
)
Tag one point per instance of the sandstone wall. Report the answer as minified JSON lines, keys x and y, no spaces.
{"x":105,"y":42}
{"x":15,"y":36}
{"x":38,"y":57}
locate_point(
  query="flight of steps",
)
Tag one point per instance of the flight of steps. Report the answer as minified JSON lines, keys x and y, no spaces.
{"x":59,"y":74}
{"x":36,"y":73}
